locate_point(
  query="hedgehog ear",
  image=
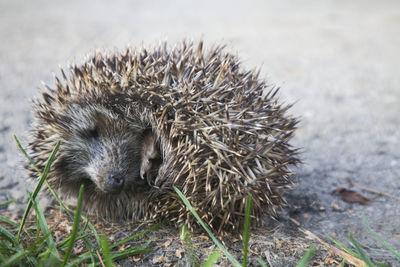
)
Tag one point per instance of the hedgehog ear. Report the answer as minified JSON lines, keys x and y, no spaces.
{"x":150,"y":157}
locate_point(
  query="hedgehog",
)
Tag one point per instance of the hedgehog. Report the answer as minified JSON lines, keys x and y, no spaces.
{"x":133,"y":124}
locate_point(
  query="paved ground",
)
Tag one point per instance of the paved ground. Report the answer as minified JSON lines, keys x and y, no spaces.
{"x":339,"y":60}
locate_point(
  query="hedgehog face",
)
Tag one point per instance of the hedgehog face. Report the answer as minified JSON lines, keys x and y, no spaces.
{"x":104,"y":150}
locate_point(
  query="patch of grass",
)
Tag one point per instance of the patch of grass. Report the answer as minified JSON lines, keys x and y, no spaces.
{"x":75,"y":228}
{"x":188,"y":244}
{"x":359,"y":252}
{"x":306,"y":258}
{"x":219,"y":245}
{"x":381,"y":240}
{"x":39,"y":185}
{"x":304,"y":261}
{"x":246,"y":234}
{"x":212,"y":259}
{"x":19,"y":247}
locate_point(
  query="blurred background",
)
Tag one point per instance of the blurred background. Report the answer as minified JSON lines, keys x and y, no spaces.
{"x":338,"y":61}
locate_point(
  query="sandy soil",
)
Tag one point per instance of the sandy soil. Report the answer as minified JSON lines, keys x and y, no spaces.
{"x":338,"y":60}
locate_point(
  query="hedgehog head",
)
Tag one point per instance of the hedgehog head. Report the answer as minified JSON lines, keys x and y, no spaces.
{"x":100,"y":147}
{"x":104,"y":145}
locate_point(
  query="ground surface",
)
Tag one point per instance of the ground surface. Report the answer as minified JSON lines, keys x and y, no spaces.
{"x":338,"y":60}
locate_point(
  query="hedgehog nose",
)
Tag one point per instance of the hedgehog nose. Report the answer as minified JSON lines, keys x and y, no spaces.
{"x":114,"y":183}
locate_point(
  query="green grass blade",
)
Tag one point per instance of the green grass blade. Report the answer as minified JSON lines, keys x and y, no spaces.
{"x":43,"y":225}
{"x":14,"y":259}
{"x":91,"y":250}
{"x":106,"y":252}
{"x":8,"y":221}
{"x":44,"y":257}
{"x":75,"y":226}
{"x":31,"y":261}
{"x":42,"y":239}
{"x":6,"y":235}
{"x":70,"y":214}
{"x":380,"y":264}
{"x":262,"y":263}
{"x":66,"y":241}
{"x":306,"y":258}
{"x":52,"y":258}
{"x":220,"y":246}
{"x":212,"y":259}
{"x":150,"y":229}
{"x":39,"y":185}
{"x":37,"y":224}
{"x":78,"y":261}
{"x":361,"y":253}
{"x":8,"y":202}
{"x":246,"y":234}
{"x":40,"y":243}
{"x":92,"y":229}
{"x":344,"y":247}
{"x":68,"y":211}
{"x":130,"y":253}
{"x":117,"y":255}
{"x":188,"y":245}
{"x":2,"y":258}
{"x":87,"y":242}
{"x":381,"y":240}
{"x":20,"y":254}
{"x":23,"y":254}
{"x":132,"y":250}
{"x":26,"y":155}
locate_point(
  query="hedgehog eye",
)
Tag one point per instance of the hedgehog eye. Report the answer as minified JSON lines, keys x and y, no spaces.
{"x":92,"y":133}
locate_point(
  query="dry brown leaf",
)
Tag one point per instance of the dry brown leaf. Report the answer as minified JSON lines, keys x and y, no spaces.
{"x":167,"y":243}
{"x":204,"y":237}
{"x":351,"y":183}
{"x":158,"y":259}
{"x":58,"y":236}
{"x":135,"y":259}
{"x":111,"y":238}
{"x":78,"y":250}
{"x":179,"y":253}
{"x":351,"y":196}
{"x":124,"y":247}
{"x":331,"y":262}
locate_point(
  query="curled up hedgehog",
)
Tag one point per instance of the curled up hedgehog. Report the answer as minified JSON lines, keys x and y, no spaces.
{"x":134,"y":124}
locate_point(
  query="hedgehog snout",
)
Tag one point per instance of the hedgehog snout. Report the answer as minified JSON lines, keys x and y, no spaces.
{"x":113,"y":166}
{"x":114,"y":182}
